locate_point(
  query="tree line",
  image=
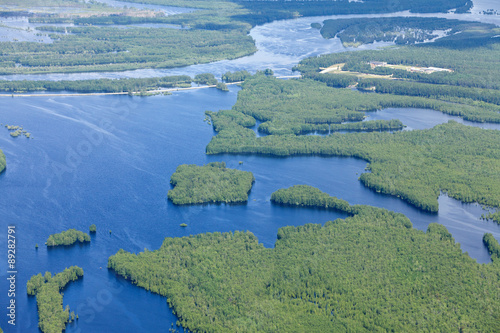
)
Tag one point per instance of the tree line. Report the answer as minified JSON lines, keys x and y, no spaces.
{"x":401,"y":30}
{"x":98,"y":85}
{"x":211,"y":183}
{"x":369,"y":272}
{"x":68,"y":237}
{"x":52,"y":318}
{"x":492,"y":244}
{"x":107,"y":49}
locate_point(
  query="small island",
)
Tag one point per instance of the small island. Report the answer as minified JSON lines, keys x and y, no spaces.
{"x":51,"y":315}
{"x":211,"y":183}
{"x":68,"y":237}
{"x":3,"y":163}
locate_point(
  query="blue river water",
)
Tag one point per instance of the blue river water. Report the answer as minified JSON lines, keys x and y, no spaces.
{"x":108,"y":160}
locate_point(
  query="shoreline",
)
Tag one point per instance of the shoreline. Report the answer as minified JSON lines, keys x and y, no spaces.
{"x":135,"y":93}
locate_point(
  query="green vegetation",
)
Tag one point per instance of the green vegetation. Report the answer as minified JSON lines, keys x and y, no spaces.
{"x":369,"y":272}
{"x":211,"y":183}
{"x":222,"y":86}
{"x":416,"y":165}
{"x":438,"y":91}
{"x":68,"y":237}
{"x":220,"y":31}
{"x":205,"y":78}
{"x":92,"y":229}
{"x":237,"y":76}
{"x":110,"y":49}
{"x":492,"y":244}
{"x":316,"y":25}
{"x":51,"y":3}
{"x":492,"y":216}
{"x":304,"y":106}
{"x":401,"y":30}
{"x":183,"y":225}
{"x":474,"y":65}
{"x":16,"y":131}
{"x":52,"y":318}
{"x":3,"y":162}
{"x":99,"y":85}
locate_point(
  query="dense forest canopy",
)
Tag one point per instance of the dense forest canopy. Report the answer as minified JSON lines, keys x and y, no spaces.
{"x":3,"y":163}
{"x":417,"y":165}
{"x":304,"y":106}
{"x":68,"y":237}
{"x":98,"y":85}
{"x":219,"y":31}
{"x":211,"y":183}
{"x":52,"y":318}
{"x":473,"y":66}
{"x":493,"y":246}
{"x":369,"y":272}
{"x":108,"y":49}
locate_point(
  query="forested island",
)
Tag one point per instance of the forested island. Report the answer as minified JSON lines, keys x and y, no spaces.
{"x":401,"y":30}
{"x":52,"y":318}
{"x":3,"y":162}
{"x":369,"y":272}
{"x":211,"y":183}
{"x":416,"y":166}
{"x":68,"y":237}
{"x":280,"y":105}
{"x":100,"y":85}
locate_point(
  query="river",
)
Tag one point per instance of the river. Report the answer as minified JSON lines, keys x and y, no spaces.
{"x":108,"y":160}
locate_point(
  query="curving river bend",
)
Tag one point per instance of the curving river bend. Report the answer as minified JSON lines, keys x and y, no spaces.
{"x":108,"y":160}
